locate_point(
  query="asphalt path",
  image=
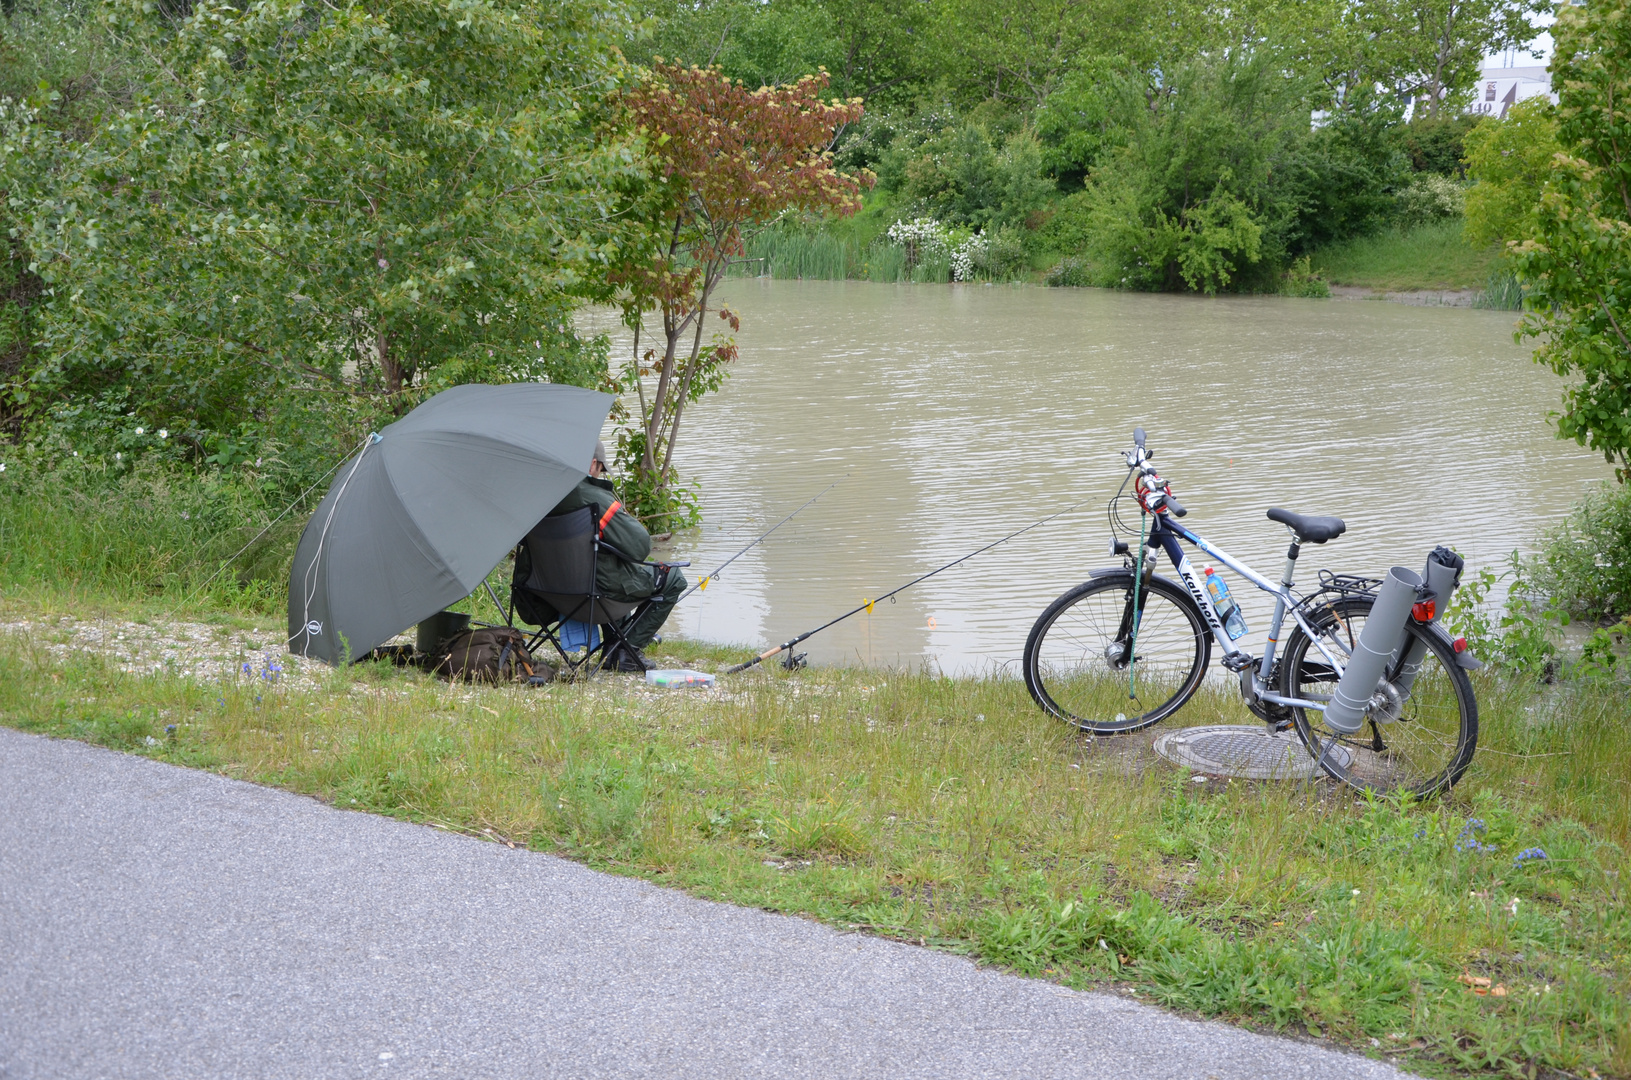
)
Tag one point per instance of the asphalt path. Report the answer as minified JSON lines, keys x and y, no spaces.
{"x":161,"y":922}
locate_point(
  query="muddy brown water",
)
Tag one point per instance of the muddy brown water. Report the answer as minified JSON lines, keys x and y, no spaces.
{"x":960,"y":413}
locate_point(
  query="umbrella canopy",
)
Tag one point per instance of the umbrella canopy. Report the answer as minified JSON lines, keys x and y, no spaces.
{"x":426,"y":509}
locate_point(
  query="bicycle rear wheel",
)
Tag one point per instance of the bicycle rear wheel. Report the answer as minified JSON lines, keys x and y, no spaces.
{"x":1419,"y":738}
{"x":1080,"y":663}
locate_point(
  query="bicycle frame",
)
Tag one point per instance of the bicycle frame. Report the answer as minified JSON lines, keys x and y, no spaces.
{"x":1168,"y":534}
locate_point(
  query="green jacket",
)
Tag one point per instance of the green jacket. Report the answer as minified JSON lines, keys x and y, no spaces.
{"x":616,"y":579}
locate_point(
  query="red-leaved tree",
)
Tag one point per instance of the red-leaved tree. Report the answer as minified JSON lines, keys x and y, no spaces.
{"x":726,"y":161}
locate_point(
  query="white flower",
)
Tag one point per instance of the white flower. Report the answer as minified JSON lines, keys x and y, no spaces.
{"x":118,"y":457}
{"x":141,"y":431}
{"x":164,"y":433}
{"x":2,"y":466}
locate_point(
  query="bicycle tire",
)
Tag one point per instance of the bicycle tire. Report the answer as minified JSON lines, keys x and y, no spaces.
{"x":1428,"y":742}
{"x":1072,"y":673}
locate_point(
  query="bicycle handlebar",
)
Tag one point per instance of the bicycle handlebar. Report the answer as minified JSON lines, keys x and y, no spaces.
{"x":1139,"y":459}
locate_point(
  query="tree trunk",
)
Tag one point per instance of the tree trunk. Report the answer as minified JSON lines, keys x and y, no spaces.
{"x":709,"y":280}
{"x":389,"y":368}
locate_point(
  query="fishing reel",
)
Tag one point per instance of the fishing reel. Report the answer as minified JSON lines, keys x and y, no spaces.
{"x":792,"y":661}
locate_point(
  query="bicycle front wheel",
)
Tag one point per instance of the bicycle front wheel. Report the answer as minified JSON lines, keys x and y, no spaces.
{"x":1420,"y":733}
{"x":1091,"y":663}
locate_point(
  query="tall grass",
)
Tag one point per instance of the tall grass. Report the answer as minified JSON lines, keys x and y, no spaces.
{"x":1502,"y":292}
{"x":75,"y":531}
{"x":952,"y":811}
{"x":1432,"y":256}
{"x":794,"y":254}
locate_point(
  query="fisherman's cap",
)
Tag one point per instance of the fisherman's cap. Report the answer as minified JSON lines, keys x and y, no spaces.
{"x":600,"y":454}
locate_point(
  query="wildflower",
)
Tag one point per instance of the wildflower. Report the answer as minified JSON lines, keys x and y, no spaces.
{"x":1467,"y":841}
{"x":1528,"y":854}
{"x":186,"y":516}
{"x":2,"y":466}
{"x":141,"y":431}
{"x":247,"y":667}
{"x":118,"y":457}
{"x":164,"y":433}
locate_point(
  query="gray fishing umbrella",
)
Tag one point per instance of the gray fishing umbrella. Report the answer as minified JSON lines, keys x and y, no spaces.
{"x":426,"y":509}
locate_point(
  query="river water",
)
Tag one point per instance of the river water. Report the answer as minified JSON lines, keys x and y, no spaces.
{"x":957,"y":414}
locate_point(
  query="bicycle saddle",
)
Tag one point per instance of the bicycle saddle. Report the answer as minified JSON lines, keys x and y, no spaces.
{"x":1310,"y":530}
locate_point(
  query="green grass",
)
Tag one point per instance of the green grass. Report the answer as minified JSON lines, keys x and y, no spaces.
{"x":1430,"y":257}
{"x":951,"y":812}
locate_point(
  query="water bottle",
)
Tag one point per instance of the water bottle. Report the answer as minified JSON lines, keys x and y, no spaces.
{"x":1234,"y":623}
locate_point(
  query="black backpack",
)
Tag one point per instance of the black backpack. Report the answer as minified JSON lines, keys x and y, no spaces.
{"x":492,"y":654}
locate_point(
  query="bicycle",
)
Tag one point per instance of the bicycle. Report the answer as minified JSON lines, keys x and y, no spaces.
{"x":1128,"y":648}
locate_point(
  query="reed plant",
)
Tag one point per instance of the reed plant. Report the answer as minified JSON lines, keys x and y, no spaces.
{"x":1487,"y":933}
{"x":1503,"y":292}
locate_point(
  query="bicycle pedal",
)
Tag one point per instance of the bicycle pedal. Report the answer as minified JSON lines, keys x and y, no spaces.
{"x":1238,"y":661}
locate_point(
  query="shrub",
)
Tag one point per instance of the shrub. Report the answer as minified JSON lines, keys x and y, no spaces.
{"x":1072,"y":270}
{"x":1510,"y":160}
{"x":1584,"y":564}
{"x":1430,"y":197}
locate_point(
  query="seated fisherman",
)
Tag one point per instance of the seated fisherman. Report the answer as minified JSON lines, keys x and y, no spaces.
{"x":616,"y":579}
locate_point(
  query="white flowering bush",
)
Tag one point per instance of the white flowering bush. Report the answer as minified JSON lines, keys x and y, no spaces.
{"x":921,"y":238}
{"x":1430,"y":197}
{"x":968,"y":256}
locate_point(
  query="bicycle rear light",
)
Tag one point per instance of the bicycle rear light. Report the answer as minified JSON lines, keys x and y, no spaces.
{"x":1424,"y":610}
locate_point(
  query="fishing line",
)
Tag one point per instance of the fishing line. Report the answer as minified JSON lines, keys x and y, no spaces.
{"x":703,"y":582}
{"x":233,"y":557}
{"x":867,"y":605}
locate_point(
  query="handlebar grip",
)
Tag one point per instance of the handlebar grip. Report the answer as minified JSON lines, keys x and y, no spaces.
{"x":1175,"y":506}
{"x":1138,"y":437}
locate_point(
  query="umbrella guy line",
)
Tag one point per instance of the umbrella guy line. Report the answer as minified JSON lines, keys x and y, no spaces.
{"x":714,"y":574}
{"x":230,"y":559}
{"x":317,"y":556}
{"x":867,"y":605}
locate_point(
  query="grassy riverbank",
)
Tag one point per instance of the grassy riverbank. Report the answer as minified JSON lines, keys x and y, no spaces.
{"x":950,"y":812}
{"x":1434,"y":256}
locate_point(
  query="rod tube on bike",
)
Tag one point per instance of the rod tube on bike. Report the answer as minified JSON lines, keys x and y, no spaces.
{"x":1380,"y":639}
{"x":1442,"y":574}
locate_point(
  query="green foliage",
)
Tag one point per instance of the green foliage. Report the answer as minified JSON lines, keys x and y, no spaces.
{"x":1520,"y":638}
{"x":1576,"y":259}
{"x":1438,"y":144}
{"x":357,"y":221}
{"x":1584,"y":562}
{"x":962,"y":176}
{"x":1079,"y":123}
{"x":1430,"y":197}
{"x":1301,"y":279}
{"x":1192,"y":200}
{"x":1509,"y":159}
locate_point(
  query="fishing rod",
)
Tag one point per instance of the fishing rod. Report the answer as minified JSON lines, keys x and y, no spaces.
{"x":867,"y":605}
{"x":703,"y":583}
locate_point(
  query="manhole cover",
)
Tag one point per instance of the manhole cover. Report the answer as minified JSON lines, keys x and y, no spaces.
{"x":1238,"y":750}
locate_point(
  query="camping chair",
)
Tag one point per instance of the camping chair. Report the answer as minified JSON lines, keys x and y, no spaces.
{"x":563,"y":551}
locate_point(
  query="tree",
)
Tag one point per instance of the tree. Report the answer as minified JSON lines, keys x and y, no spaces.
{"x":330,"y":210}
{"x":726,"y":160}
{"x":1576,"y":259}
{"x":1510,"y":159}
{"x":1433,"y":50}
